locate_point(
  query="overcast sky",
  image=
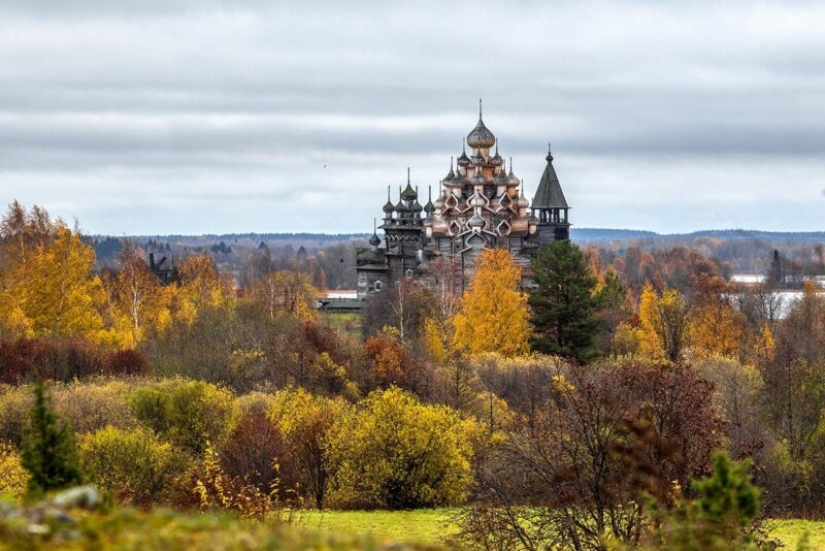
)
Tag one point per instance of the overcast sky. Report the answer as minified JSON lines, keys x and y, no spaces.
{"x":157,"y":117}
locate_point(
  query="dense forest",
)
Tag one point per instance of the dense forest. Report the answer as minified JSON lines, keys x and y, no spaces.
{"x":633,"y":396}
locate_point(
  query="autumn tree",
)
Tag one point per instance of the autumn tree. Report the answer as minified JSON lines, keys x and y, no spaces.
{"x":137,"y":301}
{"x":494,"y":316}
{"x":663,"y":320}
{"x":397,"y":453}
{"x":578,"y":471}
{"x":306,"y":423}
{"x":47,"y":287}
{"x":403,"y":310}
{"x":564,"y":303}
{"x":284,"y":291}
{"x":716,"y":328}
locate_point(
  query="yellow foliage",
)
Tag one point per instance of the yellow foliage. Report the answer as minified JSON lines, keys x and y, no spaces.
{"x":46,"y":287}
{"x":663,"y":323}
{"x":433,"y":340}
{"x":137,"y":302}
{"x":767,"y":345}
{"x":13,"y":477}
{"x":625,"y":341}
{"x":561,"y":384}
{"x":395,"y":452}
{"x":285,"y":290}
{"x":494,"y":315}
{"x":648,"y":332}
{"x":202,"y":286}
{"x":716,"y":330}
{"x":136,"y":464}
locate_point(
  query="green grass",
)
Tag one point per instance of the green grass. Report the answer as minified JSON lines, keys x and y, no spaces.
{"x":45,"y":526}
{"x":425,"y":526}
{"x":790,"y":532}
{"x":348,"y":323}
{"x":432,"y":526}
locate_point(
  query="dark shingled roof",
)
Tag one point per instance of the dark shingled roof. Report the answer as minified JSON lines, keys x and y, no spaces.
{"x":549,"y":194}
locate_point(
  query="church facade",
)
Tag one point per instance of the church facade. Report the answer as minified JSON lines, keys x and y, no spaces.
{"x":480,"y":204}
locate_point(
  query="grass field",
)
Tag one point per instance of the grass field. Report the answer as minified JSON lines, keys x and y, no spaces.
{"x":790,"y":532}
{"x":427,"y":526}
{"x":431,"y":526}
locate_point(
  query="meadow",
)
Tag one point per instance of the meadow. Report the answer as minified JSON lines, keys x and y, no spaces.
{"x":435,"y":526}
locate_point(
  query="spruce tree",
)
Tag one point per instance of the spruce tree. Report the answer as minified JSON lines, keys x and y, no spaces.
{"x":563,"y":304}
{"x":49,"y":452}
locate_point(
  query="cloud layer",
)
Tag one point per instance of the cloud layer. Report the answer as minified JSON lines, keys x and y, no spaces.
{"x":202,"y":117}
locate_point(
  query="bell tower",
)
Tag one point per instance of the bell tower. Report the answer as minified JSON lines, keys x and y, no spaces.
{"x":550,"y":207}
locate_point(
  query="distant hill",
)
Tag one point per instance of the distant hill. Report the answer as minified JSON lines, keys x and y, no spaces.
{"x":600,"y":235}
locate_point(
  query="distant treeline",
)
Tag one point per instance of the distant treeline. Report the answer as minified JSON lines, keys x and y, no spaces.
{"x":595,"y":235}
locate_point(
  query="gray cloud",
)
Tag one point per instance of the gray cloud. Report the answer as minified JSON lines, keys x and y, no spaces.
{"x":186,"y":117}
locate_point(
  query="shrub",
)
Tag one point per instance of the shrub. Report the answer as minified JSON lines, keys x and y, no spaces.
{"x":254,"y":452}
{"x":216,"y":489}
{"x":29,"y":360}
{"x":188,"y":413}
{"x":15,"y":405}
{"x":126,"y":362}
{"x":135,"y":465}
{"x":91,"y":406}
{"x":13,"y":477}
{"x":397,"y":453}
{"x":306,"y":422}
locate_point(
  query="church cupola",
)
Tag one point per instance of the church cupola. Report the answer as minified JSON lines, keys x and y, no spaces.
{"x":480,"y":137}
{"x":409,"y":194}
{"x":388,"y":208}
{"x":463,"y":160}
{"x":429,"y":208}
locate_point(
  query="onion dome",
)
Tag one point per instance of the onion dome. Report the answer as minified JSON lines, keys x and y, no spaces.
{"x":400,"y":206}
{"x":439,"y":201}
{"x":463,"y":159}
{"x":501,"y":178}
{"x":477,"y":201}
{"x":450,"y":175}
{"x":480,"y":136}
{"x":496,"y":159}
{"x":511,"y":178}
{"x":478,"y":159}
{"x":374,"y":240}
{"x":389,"y":208}
{"x":523,"y":203}
{"x":475,"y":221}
{"x":429,"y":208}
{"x":409,"y":194}
{"x":478,"y":178}
{"x":416,"y":208}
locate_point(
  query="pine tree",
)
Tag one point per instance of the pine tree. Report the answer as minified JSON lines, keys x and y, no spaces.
{"x":564,"y":303}
{"x":49,"y":452}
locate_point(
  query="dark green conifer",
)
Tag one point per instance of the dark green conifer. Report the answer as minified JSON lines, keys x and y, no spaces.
{"x":563,"y":304}
{"x":49,"y":452}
